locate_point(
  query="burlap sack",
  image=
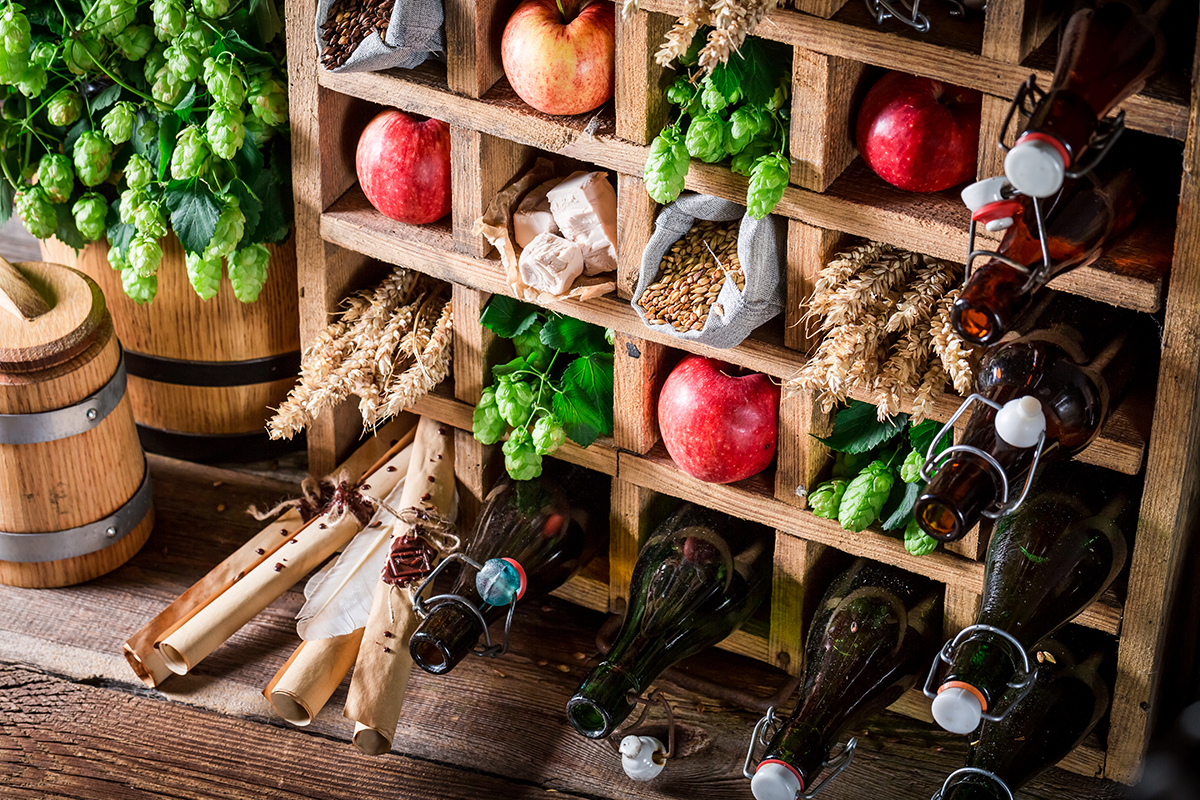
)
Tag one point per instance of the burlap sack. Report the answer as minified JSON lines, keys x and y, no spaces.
{"x":762,"y":248}
{"x":415,"y":32}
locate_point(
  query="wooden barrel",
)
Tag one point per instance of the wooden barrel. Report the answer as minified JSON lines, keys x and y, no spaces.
{"x":75,"y":498}
{"x":203,"y":375}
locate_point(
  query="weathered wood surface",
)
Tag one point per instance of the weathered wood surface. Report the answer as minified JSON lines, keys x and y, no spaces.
{"x":75,"y":723}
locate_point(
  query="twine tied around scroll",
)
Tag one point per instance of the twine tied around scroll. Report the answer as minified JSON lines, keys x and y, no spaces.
{"x":335,"y":495}
{"x":412,"y":557}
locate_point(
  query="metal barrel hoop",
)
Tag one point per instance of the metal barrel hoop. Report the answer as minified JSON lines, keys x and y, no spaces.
{"x":488,"y":650}
{"x":959,"y":775}
{"x":62,"y":423}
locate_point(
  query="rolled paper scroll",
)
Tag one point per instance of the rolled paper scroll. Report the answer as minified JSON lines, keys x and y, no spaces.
{"x":383,"y":665}
{"x":183,"y":648}
{"x":147,"y":662}
{"x":305,"y":683}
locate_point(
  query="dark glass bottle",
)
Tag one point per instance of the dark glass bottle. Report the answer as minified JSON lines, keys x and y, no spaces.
{"x":546,"y":530}
{"x":1065,"y":374}
{"x":1088,"y":213}
{"x":1065,"y":703}
{"x":1045,"y":564}
{"x":874,"y":634}
{"x":700,"y":576}
{"x":1106,"y":54}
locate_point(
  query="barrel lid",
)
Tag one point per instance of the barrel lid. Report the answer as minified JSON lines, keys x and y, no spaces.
{"x":36,"y":336}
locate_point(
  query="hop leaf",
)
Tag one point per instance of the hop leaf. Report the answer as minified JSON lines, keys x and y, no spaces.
{"x":865,"y":496}
{"x":56,"y":177}
{"x":231,"y":225}
{"x":140,"y":288}
{"x":666,"y":166}
{"x":225,"y":131}
{"x":64,"y":108}
{"x":704,"y":139}
{"x":225,"y":82}
{"x":515,"y":401}
{"x":139,"y":172}
{"x":134,"y":42}
{"x":184,"y":60}
{"x":910,"y":470}
{"x":917,"y":541}
{"x":212,"y":8}
{"x":548,"y":435}
{"x":248,"y":271}
{"x":521,"y":461}
{"x":825,"y":500}
{"x":768,"y":179}
{"x":36,"y":212}
{"x":93,"y":158}
{"x":204,"y":273}
{"x":118,"y":123}
{"x":191,"y":157}
{"x":144,"y":256}
{"x":90,"y":212}
{"x":149,"y":219}
{"x":268,"y":100}
{"x":170,"y":16}
{"x":486,"y":422}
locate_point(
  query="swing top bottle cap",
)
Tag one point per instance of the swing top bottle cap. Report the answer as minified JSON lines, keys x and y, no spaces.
{"x":1021,"y":421}
{"x":774,"y":780}
{"x":988,"y":204}
{"x":1035,"y":166}
{"x":957,"y":710}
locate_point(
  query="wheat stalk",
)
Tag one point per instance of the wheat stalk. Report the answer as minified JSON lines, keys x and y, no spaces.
{"x":932,"y":385}
{"x":920,"y":299}
{"x":957,"y":357}
{"x":732,"y":21}
{"x":679,"y":38}
{"x":888,"y":272}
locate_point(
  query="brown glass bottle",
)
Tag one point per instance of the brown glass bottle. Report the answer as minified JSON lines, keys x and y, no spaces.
{"x":1075,"y":361}
{"x":1106,"y":54}
{"x":1090,"y":212}
{"x":874,"y":634}
{"x":551,"y":527}
{"x":1065,"y":703}
{"x":1045,"y":564}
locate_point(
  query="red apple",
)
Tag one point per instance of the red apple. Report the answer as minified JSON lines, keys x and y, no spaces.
{"x":919,"y":134}
{"x":717,"y":425}
{"x":559,"y":55}
{"x":403,"y":166}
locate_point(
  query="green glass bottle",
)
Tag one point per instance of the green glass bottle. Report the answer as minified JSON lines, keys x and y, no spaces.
{"x":1045,"y":564}
{"x":699,"y":577}
{"x":874,"y":633}
{"x":1065,"y":701}
{"x":530,"y":538}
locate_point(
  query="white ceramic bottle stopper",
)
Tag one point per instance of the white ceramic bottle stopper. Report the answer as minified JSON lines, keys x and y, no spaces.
{"x":988,"y":204}
{"x":1035,"y":167}
{"x":643,"y":757}
{"x":957,"y":710}
{"x":1021,"y":422}
{"x":773,"y":780}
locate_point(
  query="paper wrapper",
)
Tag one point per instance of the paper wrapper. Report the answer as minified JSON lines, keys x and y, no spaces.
{"x":496,"y":226}
{"x":147,"y":662}
{"x":383,"y":666}
{"x":305,"y":683}
{"x":209,"y":627}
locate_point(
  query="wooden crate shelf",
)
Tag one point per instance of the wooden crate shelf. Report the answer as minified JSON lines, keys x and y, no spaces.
{"x":833,"y":196}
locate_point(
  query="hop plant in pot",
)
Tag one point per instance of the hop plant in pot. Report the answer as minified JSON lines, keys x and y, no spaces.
{"x":132,"y":121}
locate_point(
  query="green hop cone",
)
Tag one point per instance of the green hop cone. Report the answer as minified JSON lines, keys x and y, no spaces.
{"x":191,"y":155}
{"x":666,"y":166}
{"x":529,"y":346}
{"x":149,"y":219}
{"x":212,"y":8}
{"x":268,"y":100}
{"x":742,"y":128}
{"x":197,"y":34}
{"x":117,"y":258}
{"x":248,"y":271}
{"x":134,"y":42}
{"x":138,"y":172}
{"x":93,"y":158}
{"x":704,"y":139}
{"x":148,"y":131}
{"x":169,"y":16}
{"x":33,"y":80}
{"x":225,"y":82}
{"x":64,"y":108}
{"x":204,"y":273}
{"x":225,"y":131}
{"x":486,"y":422}
{"x":118,"y":123}
{"x":826,"y":498}
{"x":865,"y":496}
{"x":681,"y":91}
{"x":144,"y":255}
{"x":131,"y":199}
{"x":521,"y":461}
{"x":258,"y":131}
{"x":515,"y":401}
{"x":917,"y":541}
{"x":81,"y":54}
{"x":548,"y":435}
{"x":36,"y":212}
{"x":56,"y":177}
{"x":711,"y":97}
{"x":140,"y":288}
{"x":184,"y":60}
{"x":847,"y":465}
{"x":14,"y":29}
{"x":231,"y":225}
{"x":743,"y":163}
{"x":910,"y":470}
{"x":168,"y":87}
{"x":155,"y":60}
{"x":768,"y":179}
{"x":90,"y":212}
{"x":113,"y":16}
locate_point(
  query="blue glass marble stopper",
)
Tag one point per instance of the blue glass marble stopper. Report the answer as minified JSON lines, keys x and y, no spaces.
{"x":500,"y":582}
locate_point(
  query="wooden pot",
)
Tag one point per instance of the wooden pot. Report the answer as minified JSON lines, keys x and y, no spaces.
{"x":204,"y":376}
{"x":75,"y":499}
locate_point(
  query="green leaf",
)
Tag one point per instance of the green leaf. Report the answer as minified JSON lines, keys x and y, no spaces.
{"x":248,"y":160}
{"x":507,"y":317}
{"x":516,"y":365}
{"x":66,"y":232}
{"x":581,"y":420}
{"x":274,"y":221}
{"x":249,"y":203}
{"x":120,"y":235}
{"x":7,"y":193}
{"x":245,"y":51}
{"x":194,"y":213}
{"x":573,"y":336}
{"x":73,"y":135}
{"x":857,"y":430}
{"x":592,"y":378}
{"x":183,"y":109}
{"x":168,"y":129}
{"x":266,"y":18}
{"x":921,"y":436}
{"x":105,"y":99}
{"x":902,"y":513}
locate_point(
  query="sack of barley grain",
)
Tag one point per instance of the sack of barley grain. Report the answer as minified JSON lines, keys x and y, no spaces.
{"x":371,"y":35}
{"x":711,"y":273}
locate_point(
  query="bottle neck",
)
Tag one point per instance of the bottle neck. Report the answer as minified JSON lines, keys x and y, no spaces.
{"x":961,"y":490}
{"x":603,"y":701}
{"x":445,"y":637}
{"x":976,"y":787}
{"x":982,"y":663}
{"x":801,"y":746}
